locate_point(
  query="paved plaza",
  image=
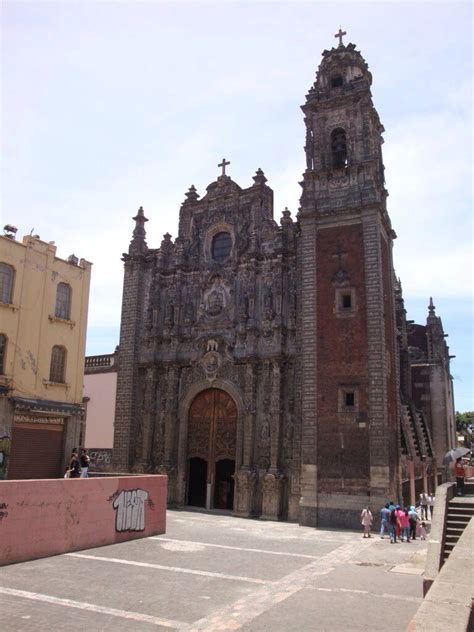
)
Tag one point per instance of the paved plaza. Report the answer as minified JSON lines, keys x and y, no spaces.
{"x":216,"y":572}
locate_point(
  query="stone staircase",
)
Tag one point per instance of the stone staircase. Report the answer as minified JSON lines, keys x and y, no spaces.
{"x":460,"y":512}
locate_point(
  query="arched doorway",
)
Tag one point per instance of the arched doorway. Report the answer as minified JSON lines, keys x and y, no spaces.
{"x":212,"y":432}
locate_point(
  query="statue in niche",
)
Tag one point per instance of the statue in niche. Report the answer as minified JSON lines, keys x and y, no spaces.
{"x":242,"y":236}
{"x":169,"y":318}
{"x":189,"y":313}
{"x":195,"y":245}
{"x":268,"y":302}
{"x":244,"y":306}
{"x":265,"y":429}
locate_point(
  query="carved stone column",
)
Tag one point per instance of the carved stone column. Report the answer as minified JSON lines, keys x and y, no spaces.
{"x":275,"y":408}
{"x":171,"y":421}
{"x":249,"y":419}
{"x":144,"y":435}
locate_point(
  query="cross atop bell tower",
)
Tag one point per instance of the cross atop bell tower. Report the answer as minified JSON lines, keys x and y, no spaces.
{"x":340,"y":35}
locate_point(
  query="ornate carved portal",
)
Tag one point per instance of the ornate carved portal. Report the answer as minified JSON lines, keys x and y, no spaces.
{"x":212,"y":432}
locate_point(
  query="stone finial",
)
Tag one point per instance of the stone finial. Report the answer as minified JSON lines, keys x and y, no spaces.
{"x":166,"y":243}
{"x":286,"y":217}
{"x":432,"y":318}
{"x":259,"y":177}
{"x":138,"y":243}
{"x":192,"y":195}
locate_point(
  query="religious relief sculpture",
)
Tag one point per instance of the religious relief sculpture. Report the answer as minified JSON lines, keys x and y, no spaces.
{"x":210,"y":362}
{"x":216,"y":297}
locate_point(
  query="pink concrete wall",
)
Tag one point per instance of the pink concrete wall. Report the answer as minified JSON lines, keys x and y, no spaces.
{"x":39,"y":518}
{"x":101,"y":389}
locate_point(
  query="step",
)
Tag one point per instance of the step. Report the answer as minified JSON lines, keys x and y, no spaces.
{"x":454,"y":531}
{"x":465,"y":509}
{"x":458,"y":517}
{"x":452,"y":539}
{"x":448,"y":547}
{"x":460,"y":514}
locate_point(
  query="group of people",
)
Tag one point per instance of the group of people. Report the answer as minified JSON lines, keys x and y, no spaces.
{"x":78,"y":465}
{"x":400,"y":524}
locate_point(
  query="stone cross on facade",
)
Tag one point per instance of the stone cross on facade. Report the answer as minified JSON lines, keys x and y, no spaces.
{"x":339,"y":35}
{"x":223,"y":164}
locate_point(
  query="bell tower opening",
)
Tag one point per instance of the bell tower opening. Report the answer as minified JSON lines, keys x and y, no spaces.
{"x":212,"y":440}
{"x":339,"y":148}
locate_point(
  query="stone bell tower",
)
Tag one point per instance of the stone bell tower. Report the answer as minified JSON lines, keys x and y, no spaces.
{"x":350,"y":439}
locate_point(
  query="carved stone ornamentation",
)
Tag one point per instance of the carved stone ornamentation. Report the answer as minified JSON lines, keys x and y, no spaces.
{"x":272,"y":495}
{"x":245,"y":488}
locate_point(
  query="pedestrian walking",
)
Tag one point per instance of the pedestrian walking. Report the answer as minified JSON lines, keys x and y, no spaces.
{"x":424,"y":505}
{"x":393,"y":525}
{"x":413,"y":520}
{"x":366,"y":520}
{"x":85,"y":462}
{"x":404,"y":526}
{"x":423,"y":531}
{"x":430,"y":506}
{"x":460,"y":475}
{"x":385,"y":520}
{"x":399,"y":512}
{"x":74,"y":466}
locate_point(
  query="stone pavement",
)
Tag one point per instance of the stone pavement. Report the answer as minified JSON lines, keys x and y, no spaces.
{"x":215,"y":572}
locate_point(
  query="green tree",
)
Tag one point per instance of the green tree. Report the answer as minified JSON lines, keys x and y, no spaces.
{"x":463,"y":420}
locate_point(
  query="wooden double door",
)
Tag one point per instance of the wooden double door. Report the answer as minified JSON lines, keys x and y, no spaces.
{"x":212,"y":439}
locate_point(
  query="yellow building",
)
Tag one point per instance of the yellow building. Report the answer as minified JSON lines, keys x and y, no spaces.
{"x":43,"y":317}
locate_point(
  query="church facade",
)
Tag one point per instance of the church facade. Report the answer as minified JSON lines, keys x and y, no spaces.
{"x":260,"y":361}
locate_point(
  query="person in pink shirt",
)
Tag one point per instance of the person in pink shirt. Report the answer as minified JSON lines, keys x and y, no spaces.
{"x":399,"y":514}
{"x":404,"y":525}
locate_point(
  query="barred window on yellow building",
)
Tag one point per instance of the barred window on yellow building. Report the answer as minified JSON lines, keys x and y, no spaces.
{"x":63,"y":301}
{"x":3,"y":351}
{"x":58,"y":365}
{"x":7,"y":274}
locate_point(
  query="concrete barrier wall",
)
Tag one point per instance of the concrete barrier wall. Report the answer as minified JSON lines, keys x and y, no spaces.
{"x":448,"y":604}
{"x":434,"y":558}
{"x":39,"y":518}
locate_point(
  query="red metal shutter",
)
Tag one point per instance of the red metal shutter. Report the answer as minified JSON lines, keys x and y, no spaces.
{"x":36,"y":451}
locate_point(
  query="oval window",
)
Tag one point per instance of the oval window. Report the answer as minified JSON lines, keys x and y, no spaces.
{"x":221,"y":246}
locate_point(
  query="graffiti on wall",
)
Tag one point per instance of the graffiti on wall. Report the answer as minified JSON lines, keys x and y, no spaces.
{"x":3,"y":511}
{"x":101,"y":458}
{"x":129,"y":505}
{"x":4,"y":453}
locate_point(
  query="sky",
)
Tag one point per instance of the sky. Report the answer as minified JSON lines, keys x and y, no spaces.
{"x":107,"y":106}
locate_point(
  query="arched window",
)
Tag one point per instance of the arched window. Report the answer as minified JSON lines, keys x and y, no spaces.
{"x":58,"y":365}
{"x":7,"y":274}
{"x":336,"y":81}
{"x":3,"y":353}
{"x":221,"y":246}
{"x":339,"y":148}
{"x":63,"y":301}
